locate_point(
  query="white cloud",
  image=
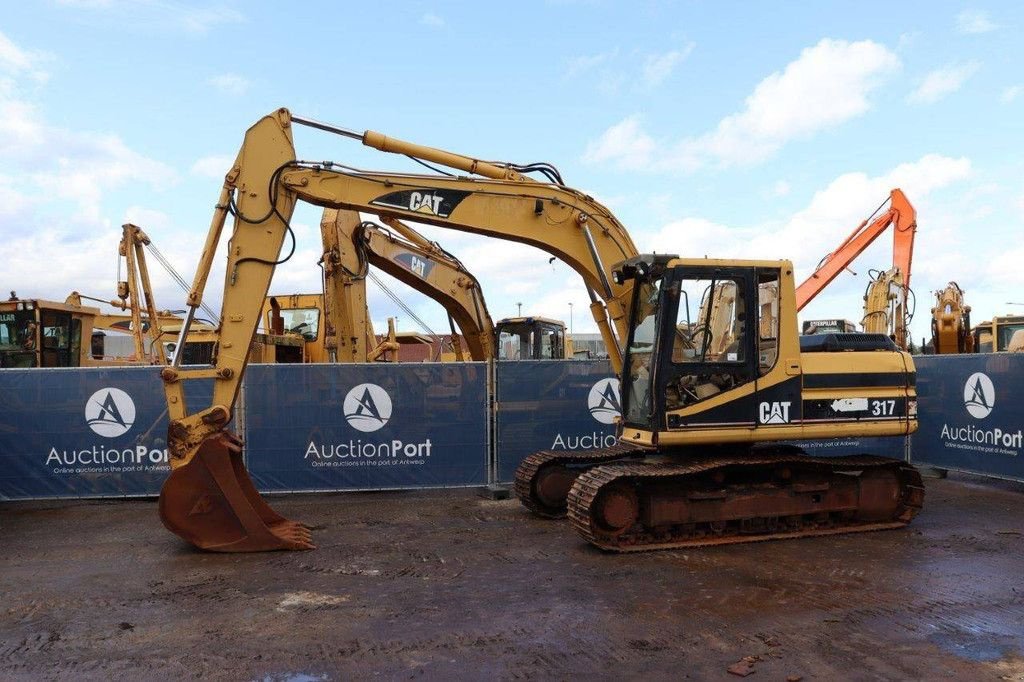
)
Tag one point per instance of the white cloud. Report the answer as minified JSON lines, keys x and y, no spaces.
{"x":584,"y":63}
{"x":230,"y":83}
{"x":52,"y":192}
{"x":88,"y":164}
{"x":974,"y":21}
{"x":213,"y":167}
{"x":817,"y":229}
{"x":624,"y":145}
{"x":148,"y":219}
{"x":16,"y":61}
{"x":1011,"y":92}
{"x":941,"y":82}
{"x":12,"y":201}
{"x":432,"y":20}
{"x":827,"y":85}
{"x":659,"y":67}
{"x":161,"y":14}
{"x":780,"y":189}
{"x":201,"y":20}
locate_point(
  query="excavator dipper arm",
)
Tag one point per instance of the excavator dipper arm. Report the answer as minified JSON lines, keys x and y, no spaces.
{"x":208,"y":499}
{"x":406,"y":255}
{"x":900,"y":214}
{"x":436,"y":274}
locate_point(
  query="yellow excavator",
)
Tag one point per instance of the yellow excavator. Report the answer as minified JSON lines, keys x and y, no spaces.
{"x":951,"y":322}
{"x":696,"y":457}
{"x":42,"y":333}
{"x":351,"y":247}
{"x":888,"y":305}
{"x":1001,"y":333}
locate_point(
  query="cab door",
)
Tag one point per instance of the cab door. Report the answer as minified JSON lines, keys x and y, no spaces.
{"x":56,"y":336}
{"x":713,"y":350}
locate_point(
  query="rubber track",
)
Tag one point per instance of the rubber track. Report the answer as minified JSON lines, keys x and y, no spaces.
{"x":589,"y":484}
{"x":527,"y":470}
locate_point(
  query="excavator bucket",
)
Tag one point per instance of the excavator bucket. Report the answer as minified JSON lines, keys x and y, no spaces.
{"x":212,"y":503}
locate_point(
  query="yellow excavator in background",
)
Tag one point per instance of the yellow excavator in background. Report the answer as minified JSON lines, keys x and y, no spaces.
{"x":888,"y":305}
{"x":951,"y":322}
{"x":41,"y":333}
{"x":695,"y":462}
{"x":135,"y":295}
{"x":1001,"y":333}
{"x":351,"y":247}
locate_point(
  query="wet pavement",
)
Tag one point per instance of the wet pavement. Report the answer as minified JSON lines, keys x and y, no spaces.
{"x":448,"y":585}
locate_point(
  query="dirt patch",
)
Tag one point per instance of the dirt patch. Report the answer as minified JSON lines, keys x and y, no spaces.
{"x":449,"y":585}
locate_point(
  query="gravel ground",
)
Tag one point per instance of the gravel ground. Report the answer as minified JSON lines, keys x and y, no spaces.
{"x":448,"y":585}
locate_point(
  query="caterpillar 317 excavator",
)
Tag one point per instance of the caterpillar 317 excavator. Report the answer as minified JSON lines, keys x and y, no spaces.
{"x":694,"y":459}
{"x":695,"y":463}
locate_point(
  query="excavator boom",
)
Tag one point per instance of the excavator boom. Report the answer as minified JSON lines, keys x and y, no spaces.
{"x":208,"y":499}
{"x":900,"y":214}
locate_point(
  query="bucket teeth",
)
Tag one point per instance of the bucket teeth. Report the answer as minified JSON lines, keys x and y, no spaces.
{"x":212,"y":503}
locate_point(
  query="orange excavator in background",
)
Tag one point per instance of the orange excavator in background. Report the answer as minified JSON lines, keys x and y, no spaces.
{"x":951,"y":322}
{"x":886,"y":298}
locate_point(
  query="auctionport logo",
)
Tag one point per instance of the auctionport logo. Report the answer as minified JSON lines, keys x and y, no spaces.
{"x":603,"y":401}
{"x":367,"y":407}
{"x":979,"y":395}
{"x":110,"y":412}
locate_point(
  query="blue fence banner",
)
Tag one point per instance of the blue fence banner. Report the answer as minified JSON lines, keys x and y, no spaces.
{"x":84,"y":432}
{"x":101,"y":432}
{"x":970,"y":413}
{"x":366,"y":427}
{"x":552,"y":405}
{"x":887,"y":446}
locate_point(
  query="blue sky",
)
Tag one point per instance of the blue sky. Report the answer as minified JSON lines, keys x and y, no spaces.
{"x":719,"y":129}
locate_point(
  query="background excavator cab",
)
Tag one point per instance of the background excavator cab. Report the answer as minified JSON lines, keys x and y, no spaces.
{"x":531,"y":338}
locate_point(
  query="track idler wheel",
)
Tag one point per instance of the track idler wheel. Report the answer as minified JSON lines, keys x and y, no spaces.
{"x":212,"y":503}
{"x":616,"y":509}
{"x":551,"y":487}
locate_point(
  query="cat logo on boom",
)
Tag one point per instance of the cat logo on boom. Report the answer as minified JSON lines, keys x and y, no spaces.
{"x":774,"y":413}
{"x":425,"y":203}
{"x":432,"y":202}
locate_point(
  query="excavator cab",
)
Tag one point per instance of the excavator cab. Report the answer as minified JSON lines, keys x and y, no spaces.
{"x":718,"y":343}
{"x":530,"y":338}
{"x":35,"y":333}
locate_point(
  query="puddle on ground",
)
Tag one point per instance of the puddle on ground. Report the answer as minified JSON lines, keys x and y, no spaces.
{"x":980,"y":647}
